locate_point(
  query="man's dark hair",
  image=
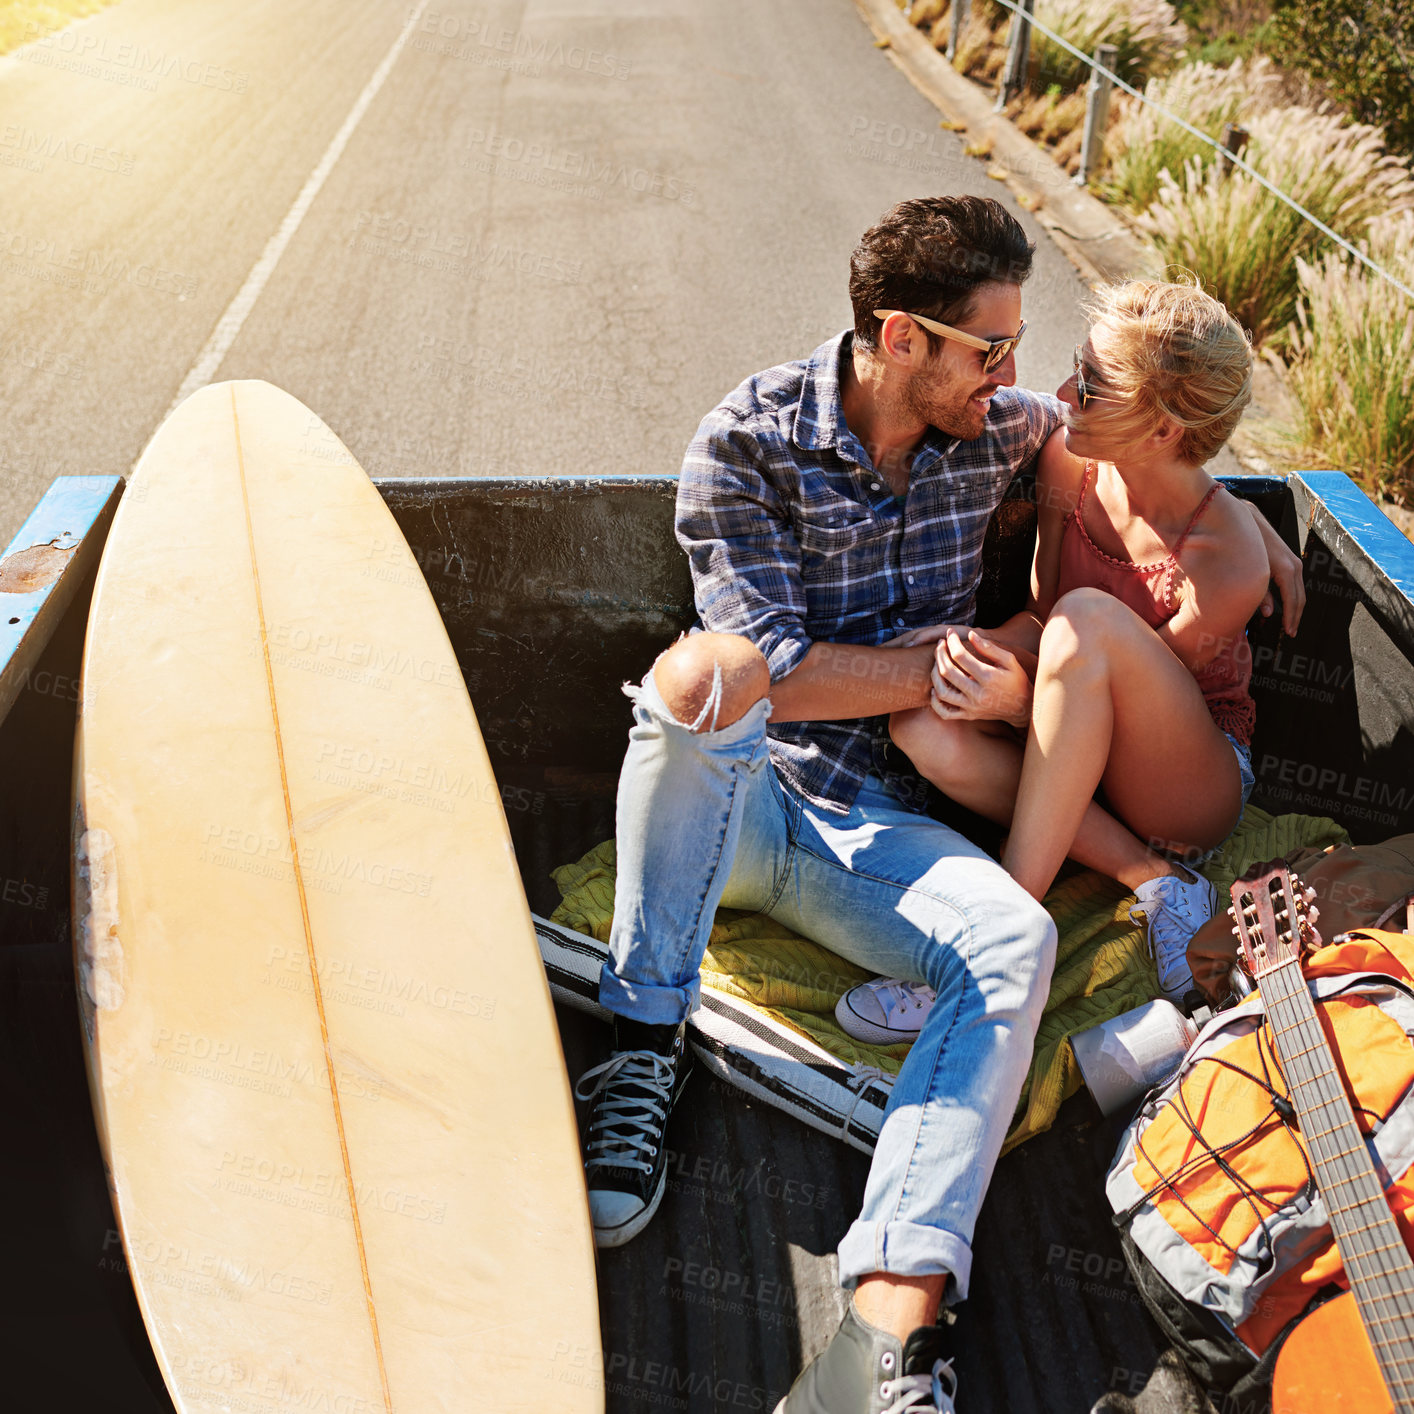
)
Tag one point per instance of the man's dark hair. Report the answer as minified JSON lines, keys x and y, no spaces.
{"x":928,"y":256}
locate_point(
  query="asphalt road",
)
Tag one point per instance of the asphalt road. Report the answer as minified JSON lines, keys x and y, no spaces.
{"x":558,"y":234}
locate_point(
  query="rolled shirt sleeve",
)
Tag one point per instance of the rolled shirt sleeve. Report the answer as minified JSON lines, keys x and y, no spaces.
{"x":745,"y":559}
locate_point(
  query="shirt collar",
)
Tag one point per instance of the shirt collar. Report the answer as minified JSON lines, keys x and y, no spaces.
{"x":819,"y":417}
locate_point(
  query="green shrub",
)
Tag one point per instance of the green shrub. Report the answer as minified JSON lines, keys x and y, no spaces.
{"x":1352,"y":363}
{"x":1142,"y":143}
{"x":1220,"y":31}
{"x":1362,"y":51}
{"x":1243,"y":243}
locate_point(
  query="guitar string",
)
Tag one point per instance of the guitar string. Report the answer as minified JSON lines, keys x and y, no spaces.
{"x":1320,"y":1141}
{"x":1284,"y":983}
{"x":1330,"y":1107}
{"x":1306,"y":1076}
{"x":1365,"y":1285}
{"x":1378,"y":1283}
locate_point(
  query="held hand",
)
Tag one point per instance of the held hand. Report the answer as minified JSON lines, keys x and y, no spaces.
{"x":914,"y":636}
{"x":979,"y":680}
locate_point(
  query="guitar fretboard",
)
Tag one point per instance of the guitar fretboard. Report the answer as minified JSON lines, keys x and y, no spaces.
{"x":1376,"y":1260}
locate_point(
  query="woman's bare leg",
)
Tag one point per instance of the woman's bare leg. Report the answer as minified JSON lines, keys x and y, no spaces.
{"x":978,"y":764}
{"x":1114,"y":706}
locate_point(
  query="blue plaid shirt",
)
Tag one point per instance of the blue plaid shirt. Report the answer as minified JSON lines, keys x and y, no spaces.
{"x":794,"y":539}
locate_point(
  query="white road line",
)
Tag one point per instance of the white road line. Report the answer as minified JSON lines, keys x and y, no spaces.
{"x":229,"y":325}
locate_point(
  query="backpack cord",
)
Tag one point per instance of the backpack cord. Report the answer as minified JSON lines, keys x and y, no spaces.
{"x":1250,"y":1195}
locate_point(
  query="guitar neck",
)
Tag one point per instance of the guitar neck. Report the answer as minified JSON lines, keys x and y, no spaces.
{"x":1376,"y":1260}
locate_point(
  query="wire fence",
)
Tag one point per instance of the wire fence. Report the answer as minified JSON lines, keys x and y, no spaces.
{"x":1028,"y":18}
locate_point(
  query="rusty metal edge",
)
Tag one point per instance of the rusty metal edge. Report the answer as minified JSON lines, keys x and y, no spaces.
{"x":75,"y":514}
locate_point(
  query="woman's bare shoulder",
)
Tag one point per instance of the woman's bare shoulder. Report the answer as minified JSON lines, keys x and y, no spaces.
{"x":1226,"y":548}
{"x":1059,"y":474}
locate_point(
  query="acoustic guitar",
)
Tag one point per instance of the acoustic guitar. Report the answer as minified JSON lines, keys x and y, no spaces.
{"x":1354,"y":1354}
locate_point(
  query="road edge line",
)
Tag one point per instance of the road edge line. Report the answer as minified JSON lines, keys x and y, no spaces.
{"x":228,"y":327}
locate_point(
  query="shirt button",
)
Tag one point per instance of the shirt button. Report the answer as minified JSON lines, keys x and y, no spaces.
{"x":910,"y":579}
{"x":873,"y":485}
{"x":899,"y":620}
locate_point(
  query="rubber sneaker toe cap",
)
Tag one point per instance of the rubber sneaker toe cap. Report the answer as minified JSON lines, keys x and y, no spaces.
{"x":616,"y":1216}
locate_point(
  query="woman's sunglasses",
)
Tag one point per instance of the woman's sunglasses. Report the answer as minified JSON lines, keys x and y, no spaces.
{"x":1085,"y":393}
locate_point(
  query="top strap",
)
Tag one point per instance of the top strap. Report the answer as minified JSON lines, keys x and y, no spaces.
{"x":1188,"y":529}
{"x":1079,"y":511}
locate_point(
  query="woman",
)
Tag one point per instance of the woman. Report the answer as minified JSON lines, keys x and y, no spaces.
{"x":1127,"y":674}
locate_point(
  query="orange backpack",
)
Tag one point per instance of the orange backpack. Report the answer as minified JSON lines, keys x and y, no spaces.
{"x":1212,"y":1185}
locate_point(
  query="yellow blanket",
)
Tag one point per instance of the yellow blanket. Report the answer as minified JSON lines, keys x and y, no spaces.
{"x":1102,"y":966}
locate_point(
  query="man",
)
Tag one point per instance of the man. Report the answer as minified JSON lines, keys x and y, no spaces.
{"x":834,"y":511}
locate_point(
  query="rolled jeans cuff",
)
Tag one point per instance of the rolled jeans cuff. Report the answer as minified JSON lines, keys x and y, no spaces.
{"x":642,"y":1001}
{"x":907,"y":1250}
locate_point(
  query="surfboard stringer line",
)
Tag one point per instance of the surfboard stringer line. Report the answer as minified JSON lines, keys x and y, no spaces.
{"x":304,"y":917}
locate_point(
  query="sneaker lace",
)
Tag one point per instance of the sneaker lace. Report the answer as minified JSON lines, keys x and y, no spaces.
{"x":911,"y":1391}
{"x":895,"y":995}
{"x":632,"y":1092}
{"x":1171,"y":921}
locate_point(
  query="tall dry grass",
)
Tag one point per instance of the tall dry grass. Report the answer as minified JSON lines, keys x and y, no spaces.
{"x":1142,"y":143}
{"x":1243,"y":243}
{"x":1352,"y":362}
{"x":1148,"y":34}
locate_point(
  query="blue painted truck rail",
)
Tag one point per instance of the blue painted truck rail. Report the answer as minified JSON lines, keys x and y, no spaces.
{"x":1368,"y":546}
{"x":51,"y":556}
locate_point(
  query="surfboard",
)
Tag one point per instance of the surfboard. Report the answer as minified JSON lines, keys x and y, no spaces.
{"x":323,"y":1057}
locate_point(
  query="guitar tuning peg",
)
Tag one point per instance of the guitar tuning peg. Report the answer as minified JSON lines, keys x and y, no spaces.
{"x":1232,"y":912}
{"x":1309,"y":895}
{"x":1313,"y":913}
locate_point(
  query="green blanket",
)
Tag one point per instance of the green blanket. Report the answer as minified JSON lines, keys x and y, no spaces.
{"x":1102,"y":966}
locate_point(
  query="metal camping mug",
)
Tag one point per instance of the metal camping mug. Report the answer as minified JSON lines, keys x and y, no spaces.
{"x":1129,"y":1054}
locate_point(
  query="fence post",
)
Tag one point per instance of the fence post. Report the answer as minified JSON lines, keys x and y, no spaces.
{"x":1018,"y":54}
{"x":1234,"y":140}
{"x":1097,"y":111}
{"x":956,"y":20}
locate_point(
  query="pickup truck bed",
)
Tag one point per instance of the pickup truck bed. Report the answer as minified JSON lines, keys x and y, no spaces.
{"x":554,"y":593}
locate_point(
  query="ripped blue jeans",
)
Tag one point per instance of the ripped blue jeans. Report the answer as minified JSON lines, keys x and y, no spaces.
{"x":703,"y":819}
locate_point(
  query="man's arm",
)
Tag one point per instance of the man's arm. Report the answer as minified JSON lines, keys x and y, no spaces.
{"x":732,"y":521}
{"x":840,"y":681}
{"x":1285,"y":571}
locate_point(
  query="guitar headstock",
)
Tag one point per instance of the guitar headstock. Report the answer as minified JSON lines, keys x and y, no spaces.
{"x":1274,"y":916}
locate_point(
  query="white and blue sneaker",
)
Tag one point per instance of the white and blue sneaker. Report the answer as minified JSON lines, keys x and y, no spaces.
{"x":1174,"y":910}
{"x":885,"y":1011}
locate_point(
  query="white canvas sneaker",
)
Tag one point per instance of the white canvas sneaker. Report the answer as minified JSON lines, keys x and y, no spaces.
{"x":1174,"y":910}
{"x":885,"y":1011}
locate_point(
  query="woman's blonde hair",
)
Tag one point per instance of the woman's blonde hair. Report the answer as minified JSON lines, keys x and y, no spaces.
{"x":1175,"y":353}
